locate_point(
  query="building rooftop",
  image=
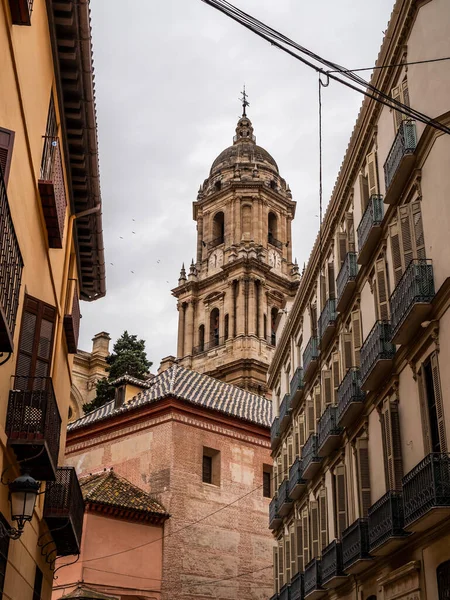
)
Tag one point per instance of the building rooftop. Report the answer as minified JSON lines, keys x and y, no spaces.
{"x":195,"y":388}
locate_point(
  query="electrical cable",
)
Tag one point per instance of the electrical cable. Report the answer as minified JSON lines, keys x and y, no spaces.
{"x":391,"y":66}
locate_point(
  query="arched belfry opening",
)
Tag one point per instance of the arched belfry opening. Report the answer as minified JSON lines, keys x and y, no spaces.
{"x":214,"y":327}
{"x":201,"y":338}
{"x":272,"y":227}
{"x":218,"y":228}
{"x":273,"y":324}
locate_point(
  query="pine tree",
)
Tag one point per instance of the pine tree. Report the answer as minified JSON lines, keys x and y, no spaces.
{"x":127,"y":358}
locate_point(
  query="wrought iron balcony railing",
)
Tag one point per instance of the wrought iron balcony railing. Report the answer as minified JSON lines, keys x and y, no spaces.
{"x":331,"y":564}
{"x":404,"y":144}
{"x":310,"y":357}
{"x":297,"y":588}
{"x":296,"y":386}
{"x":285,"y":411}
{"x":329,"y":432}
{"x":11,"y":266}
{"x":285,"y":592}
{"x":312,"y":577}
{"x":72,"y":316}
{"x":52,"y":191}
{"x":274,"y":516}
{"x":214,"y":342}
{"x":346,"y":280}
{"x":284,"y":501}
{"x":386,"y":521}
{"x":274,"y":242}
{"x":410,"y":301}
{"x":355,"y":546}
{"x":216,"y":242}
{"x":327,"y":321}
{"x":33,"y":422}
{"x":369,"y":228}
{"x":426,"y":492}
{"x":350,"y":397}
{"x":310,"y":458}
{"x":377,"y":354}
{"x":64,"y":511}
{"x":275,"y":433}
{"x":296,"y":482}
{"x":21,"y":11}
{"x":275,"y":597}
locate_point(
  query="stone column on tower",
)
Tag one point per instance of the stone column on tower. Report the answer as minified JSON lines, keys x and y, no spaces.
{"x":189,"y":329}
{"x":240,"y":307}
{"x":181,"y":322}
{"x":199,"y":240}
{"x":251,"y":320}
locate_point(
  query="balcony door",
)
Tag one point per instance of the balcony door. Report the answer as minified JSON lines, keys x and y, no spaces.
{"x":443,"y":580}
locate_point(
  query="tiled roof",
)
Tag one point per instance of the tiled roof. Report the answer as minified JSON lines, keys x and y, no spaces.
{"x":193,"y":387}
{"x":133,"y":380}
{"x":109,"y":489}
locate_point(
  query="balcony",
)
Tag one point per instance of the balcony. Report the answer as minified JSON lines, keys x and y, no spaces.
{"x":275,"y":433}
{"x":296,"y":387}
{"x":216,"y":242}
{"x":21,"y":11}
{"x":369,"y":228}
{"x":284,"y":501}
{"x":297,"y":588}
{"x":214,"y":342}
{"x":350,"y":398}
{"x":72,"y":317}
{"x":64,"y":511}
{"x":310,"y":458}
{"x":11,"y":266}
{"x":400,"y":161}
{"x":274,"y":242}
{"x":329,"y":433}
{"x":386,"y":523}
{"x":331,"y":565}
{"x":275,"y":519}
{"x":33,"y":425}
{"x":285,"y":412}
{"x":377,"y":356}
{"x":313,"y":580}
{"x":327,"y":322}
{"x":355,"y":547}
{"x":411,"y":300}
{"x":285,"y":592}
{"x":346,"y":281}
{"x":52,"y":191}
{"x":426,"y":492}
{"x":310,"y":358}
{"x":297,"y":485}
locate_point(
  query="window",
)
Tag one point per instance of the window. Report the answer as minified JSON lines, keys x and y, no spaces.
{"x":340,"y":500}
{"x":218,"y":227}
{"x":211,"y":466}
{"x":431,"y":406}
{"x":201,"y":338}
{"x":267,"y":476}
{"x":443,"y":580}
{"x":273,"y":325}
{"x":37,"y":589}
{"x":214,"y":327}
{"x":272,"y":227}
{"x":390,"y":429}
{"x":6,"y":147}
{"x":407,"y":238}
{"x":401,"y":94}
{"x":362,"y":458}
{"x":381,"y":290}
{"x":226,"y":327}
{"x":50,"y":143}
{"x":368,"y":180}
{"x":4,"y":546}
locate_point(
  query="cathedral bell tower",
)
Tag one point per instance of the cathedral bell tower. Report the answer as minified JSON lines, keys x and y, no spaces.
{"x":229,"y":300}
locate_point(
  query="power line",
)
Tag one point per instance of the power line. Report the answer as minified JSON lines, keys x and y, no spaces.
{"x":404,"y":64}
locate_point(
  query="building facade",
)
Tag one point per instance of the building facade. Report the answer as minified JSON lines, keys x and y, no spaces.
{"x":361,"y":387}
{"x":243,"y":272}
{"x":200,"y":447}
{"x":51,"y":256}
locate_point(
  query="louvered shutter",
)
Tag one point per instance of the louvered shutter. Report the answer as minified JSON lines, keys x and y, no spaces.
{"x":323,"y":292}
{"x":311,"y":417}
{"x":287,"y":559}
{"x":424,"y":412}
{"x":397,"y":263}
{"x":392,"y":445}
{"x":362,"y":453}
{"x":372,"y":173}
{"x":350,"y":232}
{"x":336,"y":375}
{"x":398,"y":116}
{"x":323,"y":518}
{"x":331,"y":282}
{"x":299,"y":545}
{"x":341,"y":499}
{"x":417,"y":226}
{"x":327,"y":388}
{"x":406,"y":235}
{"x":356,"y":334}
{"x":6,"y":148}
{"x":290,"y":453}
{"x":275,"y":570}
{"x":280,"y":476}
{"x":348,"y":352}
{"x":296,"y":426}
{"x":293,"y":550}
{"x":314,"y":509}
{"x":305,"y":531}
{"x":364,"y":191}
{"x":285,"y":464}
{"x":405,"y":93}
{"x":342,"y":246}
{"x":301,"y":429}
{"x":438,"y":400}
{"x":317,"y":404}
{"x":280,"y":563}
{"x":381,"y":290}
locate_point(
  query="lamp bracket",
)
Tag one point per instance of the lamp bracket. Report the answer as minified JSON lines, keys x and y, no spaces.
{"x":10,"y":532}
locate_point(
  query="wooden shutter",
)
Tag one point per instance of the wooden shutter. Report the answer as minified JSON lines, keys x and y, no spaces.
{"x":323,"y":518}
{"x":356,"y":334}
{"x":341,"y":499}
{"x":275,"y":570}
{"x":397,"y":264}
{"x":372,"y":173}
{"x":350,"y":231}
{"x":398,"y":116}
{"x":417,"y":227}
{"x":6,"y":148}
{"x":406,"y":235}
{"x":285,"y":472}
{"x":317,"y":405}
{"x":280,"y":563}
{"x":331,"y":282}
{"x":364,"y":191}
{"x":438,"y":400}
{"x":287,"y":559}
{"x":348,"y":352}
{"x":290,"y":452}
{"x":392,"y":445}
{"x":336,"y":375}
{"x":305,"y":531}
{"x":301,"y":429}
{"x":311,"y":417}
{"x":36,"y":340}
{"x":299,"y":545}
{"x":323,"y":292}
{"x":327,"y":387}
{"x":424,"y":412}
{"x":293,"y":550}
{"x":314,"y":508}
{"x":362,"y":455}
{"x":296,"y":427}
{"x":279,"y":471}
{"x":342,"y":247}
{"x":381,"y":290}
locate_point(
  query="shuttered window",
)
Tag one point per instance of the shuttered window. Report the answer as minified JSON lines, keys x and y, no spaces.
{"x":340,"y":499}
{"x":432,"y":406}
{"x":266,"y":484}
{"x":356,"y":337}
{"x":285,"y":463}
{"x":311,"y":417}
{"x":348,"y":351}
{"x":336,"y":375}
{"x":207,"y":469}
{"x":392,"y":445}
{"x":362,"y":456}
{"x":35,"y":342}
{"x":401,"y":94}
{"x":4,"y":548}
{"x":381,"y":294}
{"x":299,"y":545}
{"x":290,"y":452}
{"x":342,"y":247}
{"x":281,"y":580}
{"x":327,"y":386}
{"x":407,"y":238}
{"x":287,"y":555}
{"x":372,"y":177}
{"x":317,"y":406}
{"x":323,"y":291}
{"x":323,"y":518}
{"x":301,"y":430}
{"x":292,"y":549}
{"x":6,"y":148}
{"x":314,"y":511}
{"x":275,"y":570}
{"x":331,"y":281}
{"x":37,"y":588}
{"x":350,"y":231}
{"x":296,"y":427}
{"x":305,"y":532}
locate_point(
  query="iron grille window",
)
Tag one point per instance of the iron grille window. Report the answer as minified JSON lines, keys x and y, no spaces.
{"x":207,"y":469}
{"x":4,"y":546}
{"x":266,"y":485}
{"x":37,"y":589}
{"x":443,"y":580}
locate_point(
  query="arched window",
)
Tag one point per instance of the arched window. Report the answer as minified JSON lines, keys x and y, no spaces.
{"x":201,"y":338}
{"x":443,"y":580}
{"x":272,"y":223}
{"x":218,"y":185}
{"x":273,"y":321}
{"x":214,"y":327}
{"x":218,"y":229}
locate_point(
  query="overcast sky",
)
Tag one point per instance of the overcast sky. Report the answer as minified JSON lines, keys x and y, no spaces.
{"x":168,"y":76}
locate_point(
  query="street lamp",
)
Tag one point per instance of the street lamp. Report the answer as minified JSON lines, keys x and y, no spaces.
{"x":22,"y":495}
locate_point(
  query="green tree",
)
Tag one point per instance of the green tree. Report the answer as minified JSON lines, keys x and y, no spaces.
{"x":127,"y":358}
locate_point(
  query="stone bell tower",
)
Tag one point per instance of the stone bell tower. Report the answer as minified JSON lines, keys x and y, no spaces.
{"x":229,"y":299}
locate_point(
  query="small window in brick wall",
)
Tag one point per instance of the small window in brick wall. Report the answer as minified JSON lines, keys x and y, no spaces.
{"x":267,"y":479}
{"x":211,"y":466}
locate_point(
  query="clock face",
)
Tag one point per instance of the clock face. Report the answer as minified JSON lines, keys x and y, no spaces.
{"x":215,"y":261}
{"x":274,"y":259}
